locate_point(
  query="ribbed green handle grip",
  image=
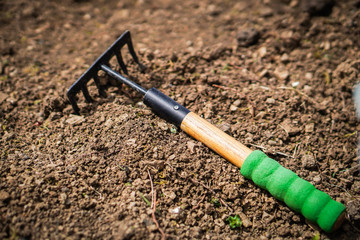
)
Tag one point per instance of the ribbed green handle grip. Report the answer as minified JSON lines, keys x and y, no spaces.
{"x":297,"y":193}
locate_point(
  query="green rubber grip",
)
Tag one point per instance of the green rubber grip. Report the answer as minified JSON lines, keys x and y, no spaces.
{"x":298,"y":194}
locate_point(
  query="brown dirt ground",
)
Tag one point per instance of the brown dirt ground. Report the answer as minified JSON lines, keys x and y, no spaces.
{"x":288,"y":93}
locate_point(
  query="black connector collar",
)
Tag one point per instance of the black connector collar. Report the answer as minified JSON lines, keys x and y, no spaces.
{"x":165,"y":107}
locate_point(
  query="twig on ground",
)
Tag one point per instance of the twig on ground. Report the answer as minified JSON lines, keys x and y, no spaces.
{"x":197,"y":205}
{"x":295,"y":150}
{"x":100,"y":195}
{"x":153,"y":205}
{"x":163,"y":236}
{"x":286,"y":131}
{"x":152,"y":189}
{"x":223,"y":202}
{"x":225,"y":88}
{"x":297,"y":91}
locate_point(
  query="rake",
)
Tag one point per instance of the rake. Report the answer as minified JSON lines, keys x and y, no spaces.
{"x":298,"y":194}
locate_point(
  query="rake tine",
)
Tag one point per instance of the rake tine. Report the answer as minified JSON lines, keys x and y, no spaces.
{"x":99,"y":87}
{"x":142,"y":67}
{"x":121,"y":62}
{"x":86,"y":93}
{"x":74,"y":104}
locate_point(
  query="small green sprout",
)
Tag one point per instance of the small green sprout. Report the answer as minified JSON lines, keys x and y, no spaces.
{"x":234,"y":222}
{"x":145,"y":199}
{"x":316,"y":237}
{"x":173,"y":130}
{"x":215,"y":202}
{"x":226,"y":67}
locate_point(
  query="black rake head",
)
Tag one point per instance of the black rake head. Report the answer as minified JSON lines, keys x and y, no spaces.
{"x":102,"y":63}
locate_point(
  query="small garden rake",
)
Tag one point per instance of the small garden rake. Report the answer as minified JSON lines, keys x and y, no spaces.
{"x":283,"y":184}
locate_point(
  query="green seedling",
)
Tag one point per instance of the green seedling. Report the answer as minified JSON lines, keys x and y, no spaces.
{"x":226,"y":67}
{"x":316,"y":237}
{"x":215,"y":202}
{"x":145,"y":199}
{"x":234,"y":222}
{"x":173,"y":130}
{"x":3,"y":78}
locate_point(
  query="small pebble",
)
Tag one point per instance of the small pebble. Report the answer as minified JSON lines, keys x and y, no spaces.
{"x":264,"y":73}
{"x":170,"y":194}
{"x":189,"y":43}
{"x":233,"y":108}
{"x":131,"y":142}
{"x":4,"y":196}
{"x":191,"y":146}
{"x":175,"y":210}
{"x":224,"y":127}
{"x":270,"y":101}
{"x":309,"y":128}
{"x":317,"y":7}
{"x":281,"y":74}
{"x":308,"y":76}
{"x":247,"y":37}
{"x":307,"y":89}
{"x":272,"y":143}
{"x":284,"y":58}
{"x":245,"y":220}
{"x":317,"y":179}
{"x":87,"y":17}
{"x":237,"y":103}
{"x":308,"y":162}
{"x":295,"y":84}
{"x":75,"y":120}
{"x":262,"y":52}
{"x":163,"y":125}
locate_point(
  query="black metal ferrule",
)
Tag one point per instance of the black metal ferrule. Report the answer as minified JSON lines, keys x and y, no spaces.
{"x":165,"y":107}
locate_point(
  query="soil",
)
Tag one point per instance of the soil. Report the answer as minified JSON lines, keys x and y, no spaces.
{"x":276,"y":75}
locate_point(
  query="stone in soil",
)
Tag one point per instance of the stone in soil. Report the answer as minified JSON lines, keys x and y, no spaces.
{"x":247,"y":37}
{"x":308,"y":162}
{"x":317,"y":7}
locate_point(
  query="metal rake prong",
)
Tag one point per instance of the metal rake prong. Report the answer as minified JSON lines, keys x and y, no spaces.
{"x":86,"y":94}
{"x":132,"y":51}
{"x":141,"y":66}
{"x":121,"y":62}
{"x":73,"y":103}
{"x":99,"y":87}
